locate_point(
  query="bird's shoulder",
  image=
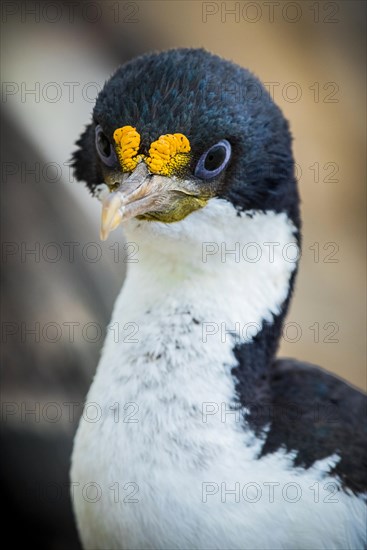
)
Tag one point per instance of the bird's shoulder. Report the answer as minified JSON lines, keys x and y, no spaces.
{"x":314,"y":414}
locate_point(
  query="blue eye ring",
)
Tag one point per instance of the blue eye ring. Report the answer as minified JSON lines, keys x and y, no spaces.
{"x":214,"y":160}
{"x":104,"y":148}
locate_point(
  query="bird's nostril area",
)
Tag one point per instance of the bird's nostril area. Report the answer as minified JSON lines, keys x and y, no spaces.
{"x":113,"y":186}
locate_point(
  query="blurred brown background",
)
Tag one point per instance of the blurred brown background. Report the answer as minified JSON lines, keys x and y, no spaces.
{"x":56,"y":56}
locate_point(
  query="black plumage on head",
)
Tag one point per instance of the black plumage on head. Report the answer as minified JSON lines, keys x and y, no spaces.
{"x":206,"y":98}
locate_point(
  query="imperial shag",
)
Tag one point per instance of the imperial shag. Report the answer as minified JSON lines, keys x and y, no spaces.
{"x":203,"y":438}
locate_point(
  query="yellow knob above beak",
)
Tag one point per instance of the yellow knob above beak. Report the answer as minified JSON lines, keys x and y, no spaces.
{"x":167,"y":155}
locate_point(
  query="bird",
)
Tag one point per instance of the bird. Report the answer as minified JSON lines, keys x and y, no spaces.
{"x":195,"y":435}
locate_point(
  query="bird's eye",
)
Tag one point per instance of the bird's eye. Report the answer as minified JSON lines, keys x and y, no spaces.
{"x":213,"y":161}
{"x":104,"y":148}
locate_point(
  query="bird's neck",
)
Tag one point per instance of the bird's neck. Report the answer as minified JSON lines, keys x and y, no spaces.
{"x":231,"y":280}
{"x":180,"y":323}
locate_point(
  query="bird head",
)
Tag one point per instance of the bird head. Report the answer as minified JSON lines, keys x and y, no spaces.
{"x":174,"y":133}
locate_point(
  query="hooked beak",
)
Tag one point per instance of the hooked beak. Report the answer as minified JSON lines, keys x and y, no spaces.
{"x":143,"y":192}
{"x":131,"y":199}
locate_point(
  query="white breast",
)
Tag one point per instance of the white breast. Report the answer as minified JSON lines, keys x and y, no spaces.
{"x":157,"y":453}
